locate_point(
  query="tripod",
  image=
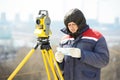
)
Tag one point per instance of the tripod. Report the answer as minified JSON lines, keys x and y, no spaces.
{"x":48,"y":58}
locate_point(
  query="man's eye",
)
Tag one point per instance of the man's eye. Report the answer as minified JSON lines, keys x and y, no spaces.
{"x":73,"y":24}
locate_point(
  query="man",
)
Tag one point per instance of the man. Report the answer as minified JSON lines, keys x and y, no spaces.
{"x":83,"y":51}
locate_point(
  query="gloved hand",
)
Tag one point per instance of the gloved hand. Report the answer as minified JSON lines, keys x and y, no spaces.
{"x":59,"y":56}
{"x":73,"y":52}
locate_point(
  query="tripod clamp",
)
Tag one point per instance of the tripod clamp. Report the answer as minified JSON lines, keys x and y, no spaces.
{"x":44,"y":42}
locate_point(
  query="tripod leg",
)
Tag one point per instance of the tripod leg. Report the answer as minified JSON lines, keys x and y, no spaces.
{"x":45,"y":63}
{"x":21,"y":64}
{"x":56,"y":64}
{"x":47,"y":55}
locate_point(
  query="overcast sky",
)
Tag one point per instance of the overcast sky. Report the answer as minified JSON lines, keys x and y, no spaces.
{"x":103,"y":10}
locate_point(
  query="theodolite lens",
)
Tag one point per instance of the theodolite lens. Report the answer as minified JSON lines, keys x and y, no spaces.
{"x":38,"y":21}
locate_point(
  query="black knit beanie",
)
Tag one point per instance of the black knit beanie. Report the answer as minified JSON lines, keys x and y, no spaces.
{"x":76,"y":16}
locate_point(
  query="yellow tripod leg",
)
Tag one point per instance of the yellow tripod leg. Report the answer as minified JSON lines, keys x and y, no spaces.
{"x":21,"y":64}
{"x":49,"y":58}
{"x":56,"y":64}
{"x":45,"y":63}
{"x":52,"y":66}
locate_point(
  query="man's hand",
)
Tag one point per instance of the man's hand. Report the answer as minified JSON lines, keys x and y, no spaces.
{"x":73,"y":52}
{"x":59,"y":56}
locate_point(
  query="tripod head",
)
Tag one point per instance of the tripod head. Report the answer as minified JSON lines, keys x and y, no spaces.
{"x":42,"y":29}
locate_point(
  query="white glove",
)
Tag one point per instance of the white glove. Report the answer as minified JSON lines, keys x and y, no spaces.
{"x":73,"y":52}
{"x":59,"y":56}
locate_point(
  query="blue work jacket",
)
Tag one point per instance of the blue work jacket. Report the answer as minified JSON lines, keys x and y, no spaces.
{"x":94,"y":55}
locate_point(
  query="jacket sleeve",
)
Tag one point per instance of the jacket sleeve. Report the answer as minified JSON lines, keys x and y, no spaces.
{"x":99,"y":57}
{"x":61,"y":65}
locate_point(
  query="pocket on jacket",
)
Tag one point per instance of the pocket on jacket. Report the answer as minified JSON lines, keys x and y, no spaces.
{"x":89,"y":74}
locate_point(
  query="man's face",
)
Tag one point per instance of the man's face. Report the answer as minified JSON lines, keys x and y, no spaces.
{"x":72,"y":27}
